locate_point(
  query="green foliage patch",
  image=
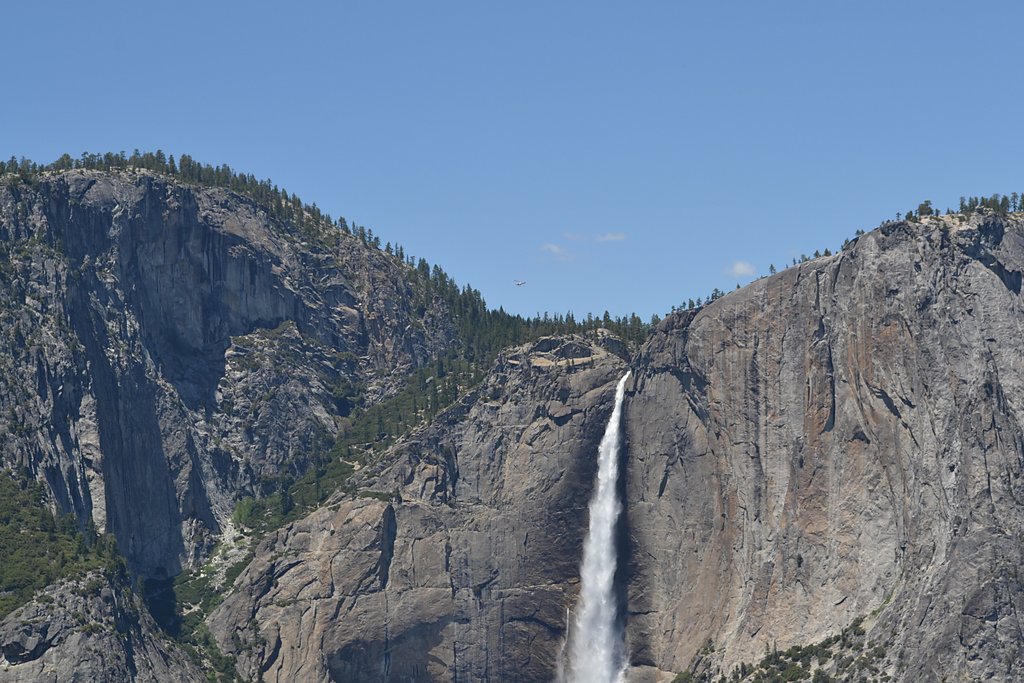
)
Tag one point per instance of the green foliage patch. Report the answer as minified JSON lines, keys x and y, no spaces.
{"x":843,"y":658}
{"x":180,"y":606}
{"x":39,"y":547}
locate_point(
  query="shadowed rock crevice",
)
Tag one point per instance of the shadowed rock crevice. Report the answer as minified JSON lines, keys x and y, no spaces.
{"x":623,"y":537}
{"x":389,"y":530}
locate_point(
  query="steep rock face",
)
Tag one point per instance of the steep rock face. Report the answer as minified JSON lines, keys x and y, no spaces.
{"x":459,"y":560}
{"x":841,"y":439}
{"x":157,"y":337}
{"x":88,"y":629}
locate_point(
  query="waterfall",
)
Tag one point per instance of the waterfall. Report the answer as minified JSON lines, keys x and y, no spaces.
{"x":597,"y":650}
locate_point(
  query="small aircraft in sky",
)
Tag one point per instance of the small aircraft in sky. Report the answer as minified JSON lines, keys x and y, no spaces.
{"x":520,"y":283}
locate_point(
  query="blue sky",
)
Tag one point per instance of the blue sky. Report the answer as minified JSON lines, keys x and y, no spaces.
{"x":617,"y":156}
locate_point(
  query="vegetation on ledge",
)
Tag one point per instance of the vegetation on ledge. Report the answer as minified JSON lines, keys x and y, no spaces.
{"x":39,"y":548}
{"x":843,"y":658}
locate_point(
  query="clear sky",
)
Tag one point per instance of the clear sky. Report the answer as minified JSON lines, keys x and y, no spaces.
{"x":617,"y":156}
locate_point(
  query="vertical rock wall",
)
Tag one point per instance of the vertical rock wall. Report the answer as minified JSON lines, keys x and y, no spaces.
{"x":839,"y":440}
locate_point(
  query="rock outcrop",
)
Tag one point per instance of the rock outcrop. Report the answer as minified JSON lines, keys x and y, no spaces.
{"x":89,"y":629}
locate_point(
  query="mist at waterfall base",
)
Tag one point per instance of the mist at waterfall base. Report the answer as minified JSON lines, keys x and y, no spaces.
{"x":596,"y":644}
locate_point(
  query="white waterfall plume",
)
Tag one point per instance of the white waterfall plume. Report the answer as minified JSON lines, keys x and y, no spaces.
{"x":596,"y":647}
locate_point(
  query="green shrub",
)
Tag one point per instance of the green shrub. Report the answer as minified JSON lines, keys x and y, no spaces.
{"x":39,"y":548}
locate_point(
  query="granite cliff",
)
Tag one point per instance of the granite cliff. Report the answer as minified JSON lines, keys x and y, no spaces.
{"x":833,"y":449}
{"x":840,"y":440}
